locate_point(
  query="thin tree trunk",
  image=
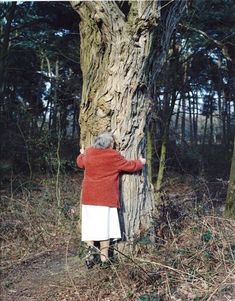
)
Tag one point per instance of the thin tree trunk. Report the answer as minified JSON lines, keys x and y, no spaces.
{"x":183,"y":120}
{"x":224,"y":117}
{"x":190,"y":119}
{"x":4,"y":56}
{"x":177,"y":115}
{"x":227,"y":122}
{"x":184,"y":104}
{"x":230,"y":85}
{"x":74,"y":125}
{"x":205,"y":132}
{"x":48,"y":101}
{"x":220,"y":116}
{"x":194,"y":119}
{"x":161,"y":168}
{"x":211,"y":123}
{"x":168,"y":113}
{"x":44,"y":116}
{"x":55,"y":109}
{"x":230,"y":200}
{"x":58,"y":130}
{"x":219,"y":91}
{"x":50,"y":116}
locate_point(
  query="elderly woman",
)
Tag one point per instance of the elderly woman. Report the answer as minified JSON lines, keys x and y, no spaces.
{"x":100,"y":193}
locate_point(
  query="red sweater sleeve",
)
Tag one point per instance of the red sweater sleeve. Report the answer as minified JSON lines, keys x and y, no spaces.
{"x":128,"y":165}
{"x":80,"y":161}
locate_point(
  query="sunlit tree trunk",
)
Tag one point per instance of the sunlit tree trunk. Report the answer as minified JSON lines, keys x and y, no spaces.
{"x":230,"y":200}
{"x":122,"y":52}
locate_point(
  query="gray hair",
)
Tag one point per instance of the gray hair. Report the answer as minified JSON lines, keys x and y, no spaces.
{"x":103,"y":140}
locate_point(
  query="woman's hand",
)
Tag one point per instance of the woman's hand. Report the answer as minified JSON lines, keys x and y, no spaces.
{"x":143,"y":160}
{"x":82,"y":150}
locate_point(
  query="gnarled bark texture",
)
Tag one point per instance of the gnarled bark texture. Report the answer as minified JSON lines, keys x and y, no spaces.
{"x":123,"y":47}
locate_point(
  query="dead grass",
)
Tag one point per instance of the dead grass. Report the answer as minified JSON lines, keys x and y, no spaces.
{"x":192,"y":258}
{"x":29,"y":217}
{"x":198,"y":262}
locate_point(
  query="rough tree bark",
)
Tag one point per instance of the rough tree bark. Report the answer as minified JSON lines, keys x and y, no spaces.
{"x":123,"y":47}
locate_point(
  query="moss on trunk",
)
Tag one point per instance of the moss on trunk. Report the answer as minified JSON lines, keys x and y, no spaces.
{"x":230,"y":200}
{"x":161,"y":170}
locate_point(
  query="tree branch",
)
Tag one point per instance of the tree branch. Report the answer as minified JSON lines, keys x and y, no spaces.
{"x":168,"y":24}
{"x":105,"y":10}
{"x":219,"y":44}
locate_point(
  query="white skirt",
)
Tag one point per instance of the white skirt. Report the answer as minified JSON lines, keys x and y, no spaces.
{"x":100,"y":223}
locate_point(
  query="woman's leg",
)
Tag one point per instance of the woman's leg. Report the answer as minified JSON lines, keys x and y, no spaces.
{"x":104,"y":250}
{"x":90,"y":243}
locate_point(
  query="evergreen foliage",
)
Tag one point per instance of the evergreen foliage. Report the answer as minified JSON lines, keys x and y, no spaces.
{"x":40,"y":83}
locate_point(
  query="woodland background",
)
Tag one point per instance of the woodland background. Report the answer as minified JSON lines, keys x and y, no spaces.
{"x":192,"y":132}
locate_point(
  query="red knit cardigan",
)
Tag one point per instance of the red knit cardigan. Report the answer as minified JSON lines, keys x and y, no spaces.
{"x":101,"y":178}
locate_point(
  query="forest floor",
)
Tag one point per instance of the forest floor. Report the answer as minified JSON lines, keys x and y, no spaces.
{"x":192,"y":258}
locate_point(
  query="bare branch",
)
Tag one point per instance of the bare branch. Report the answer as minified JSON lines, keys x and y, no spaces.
{"x":219,"y":44}
{"x":168,"y":25}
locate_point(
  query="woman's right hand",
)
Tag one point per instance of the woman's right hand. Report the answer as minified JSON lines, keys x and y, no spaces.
{"x":142,"y":160}
{"x":82,"y":150}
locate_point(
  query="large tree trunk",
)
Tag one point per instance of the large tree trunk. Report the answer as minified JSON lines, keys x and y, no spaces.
{"x":122,"y":52}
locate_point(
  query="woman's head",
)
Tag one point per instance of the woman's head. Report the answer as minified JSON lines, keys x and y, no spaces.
{"x":104,"y":140}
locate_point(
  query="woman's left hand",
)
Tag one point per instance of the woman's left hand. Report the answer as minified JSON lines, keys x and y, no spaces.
{"x":82,"y":150}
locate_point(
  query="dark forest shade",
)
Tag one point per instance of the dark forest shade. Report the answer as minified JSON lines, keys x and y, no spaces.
{"x":230,"y":200}
{"x":189,"y":104}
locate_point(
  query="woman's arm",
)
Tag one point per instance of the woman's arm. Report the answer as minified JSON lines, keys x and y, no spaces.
{"x":129,"y":165}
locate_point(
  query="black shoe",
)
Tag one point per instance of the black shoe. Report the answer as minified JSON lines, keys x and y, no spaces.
{"x":89,"y":263}
{"x":114,"y":260}
{"x":92,"y":257}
